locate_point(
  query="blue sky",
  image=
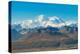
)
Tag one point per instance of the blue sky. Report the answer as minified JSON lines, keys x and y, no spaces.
{"x":28,"y":10}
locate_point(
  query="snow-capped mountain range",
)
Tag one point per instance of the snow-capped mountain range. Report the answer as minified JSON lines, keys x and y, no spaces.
{"x":53,"y":21}
{"x":40,"y":24}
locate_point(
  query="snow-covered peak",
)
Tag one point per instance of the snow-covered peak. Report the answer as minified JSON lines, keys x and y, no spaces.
{"x":53,"y":18}
{"x":70,"y":22}
{"x":54,"y":21}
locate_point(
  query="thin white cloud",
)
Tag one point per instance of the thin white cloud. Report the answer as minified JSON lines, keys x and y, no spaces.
{"x":26,"y":23}
{"x":40,"y":18}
